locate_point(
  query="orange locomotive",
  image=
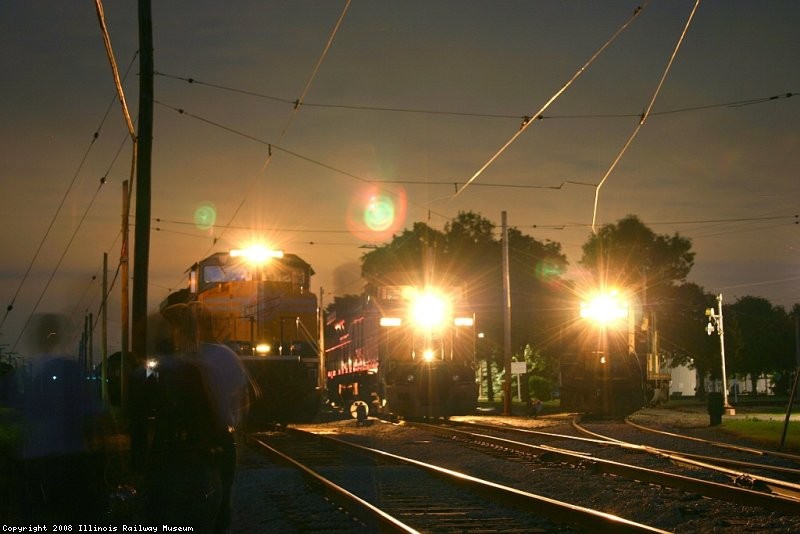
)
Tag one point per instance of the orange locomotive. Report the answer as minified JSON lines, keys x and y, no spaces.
{"x":260,"y":305}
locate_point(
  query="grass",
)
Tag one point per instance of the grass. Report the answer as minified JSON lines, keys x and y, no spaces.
{"x":765,"y":432}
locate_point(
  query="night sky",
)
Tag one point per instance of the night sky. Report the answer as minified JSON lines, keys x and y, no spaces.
{"x":401,"y":105}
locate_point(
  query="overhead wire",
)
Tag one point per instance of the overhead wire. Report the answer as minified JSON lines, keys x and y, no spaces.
{"x":317,"y":230}
{"x":66,"y":194}
{"x":740,"y":229}
{"x":417,"y":182}
{"x":644,"y":115}
{"x":510,"y":186}
{"x":58,"y":264}
{"x":791,"y":220}
{"x":295,"y":110}
{"x":103,"y":181}
{"x":354,"y":107}
{"x":272,"y":146}
{"x":296,"y":107}
{"x":552,"y":99}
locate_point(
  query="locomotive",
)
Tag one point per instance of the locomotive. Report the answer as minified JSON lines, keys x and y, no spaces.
{"x":601,"y":373}
{"x":405,"y":350}
{"x":260,"y":306}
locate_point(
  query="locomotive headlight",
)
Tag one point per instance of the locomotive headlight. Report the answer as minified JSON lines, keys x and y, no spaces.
{"x":390,"y":321}
{"x":429,"y":310}
{"x":262,"y":349}
{"x":605,"y":308}
{"x":428,"y":355}
{"x":256,"y":254}
{"x":464,"y":321}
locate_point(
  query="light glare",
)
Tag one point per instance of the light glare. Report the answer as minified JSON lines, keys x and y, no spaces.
{"x":390,"y":321}
{"x":256,"y":253}
{"x":429,"y":310}
{"x":605,"y":308}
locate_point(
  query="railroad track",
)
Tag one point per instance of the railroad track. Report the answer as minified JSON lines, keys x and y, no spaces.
{"x":744,"y":489}
{"x":382,"y":491}
{"x":740,"y":472}
{"x":718,"y":444}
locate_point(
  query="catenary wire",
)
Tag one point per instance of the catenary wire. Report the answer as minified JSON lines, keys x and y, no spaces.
{"x":295,"y":110}
{"x":58,"y":264}
{"x":644,"y":115}
{"x":293,"y":113}
{"x":272,"y":146}
{"x":552,"y":99}
{"x":75,"y":175}
{"x":354,"y":107}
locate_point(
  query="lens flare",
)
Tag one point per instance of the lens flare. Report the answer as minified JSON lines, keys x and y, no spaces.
{"x":375,"y":215}
{"x":205,"y":216}
{"x":379,"y":214}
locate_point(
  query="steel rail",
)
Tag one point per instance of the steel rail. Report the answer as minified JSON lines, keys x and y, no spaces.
{"x":780,"y":487}
{"x":360,"y":508}
{"x":779,"y":503}
{"x":720,"y":444}
{"x":555,"y":510}
{"x":608,"y":441}
{"x":713,"y":460}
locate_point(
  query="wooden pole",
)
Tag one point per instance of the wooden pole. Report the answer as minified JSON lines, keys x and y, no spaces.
{"x":124,"y":269}
{"x":104,"y":334}
{"x":322,"y":365}
{"x":141,"y":253}
{"x":506,"y":322}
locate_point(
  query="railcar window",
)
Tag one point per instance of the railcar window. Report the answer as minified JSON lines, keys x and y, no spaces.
{"x":213,"y":274}
{"x":216,"y":273}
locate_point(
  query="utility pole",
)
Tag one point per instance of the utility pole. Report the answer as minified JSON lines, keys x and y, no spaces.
{"x":90,"y":342}
{"x":717,"y":318}
{"x":141,"y":253}
{"x":321,"y":322}
{"x":506,"y":322}
{"x":793,"y":393}
{"x":104,"y":333}
{"x":124,"y":270}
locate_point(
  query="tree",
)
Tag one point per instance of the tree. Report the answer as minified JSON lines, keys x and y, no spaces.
{"x":682,"y":327}
{"x":629,"y":254}
{"x":468,"y":251}
{"x":761,"y":338}
{"x":405,"y":253}
{"x":630,"y":257}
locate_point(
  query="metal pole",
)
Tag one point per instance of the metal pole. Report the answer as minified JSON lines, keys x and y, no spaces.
{"x":722,"y":353}
{"x":506,"y":322}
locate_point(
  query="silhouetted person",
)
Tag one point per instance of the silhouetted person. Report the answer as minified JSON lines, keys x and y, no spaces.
{"x":60,"y":477}
{"x":199,"y":398}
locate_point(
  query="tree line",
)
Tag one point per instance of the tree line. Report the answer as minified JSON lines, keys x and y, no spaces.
{"x":652,"y":269}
